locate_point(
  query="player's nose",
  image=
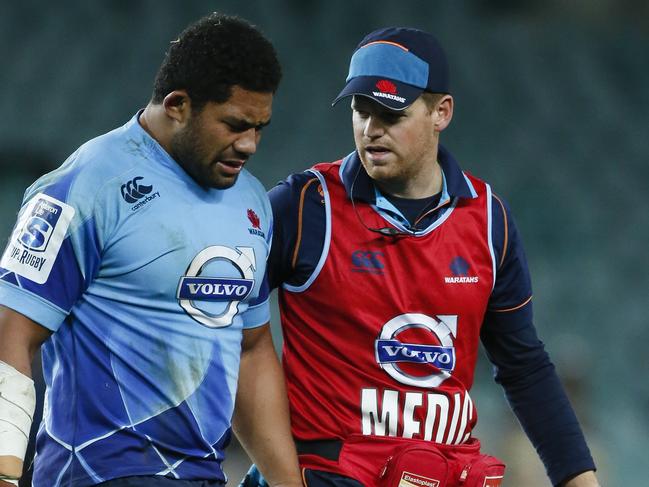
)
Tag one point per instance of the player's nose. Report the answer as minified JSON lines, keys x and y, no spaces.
{"x":247,"y":142}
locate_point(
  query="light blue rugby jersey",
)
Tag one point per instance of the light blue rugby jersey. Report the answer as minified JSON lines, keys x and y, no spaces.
{"x":147,"y":280}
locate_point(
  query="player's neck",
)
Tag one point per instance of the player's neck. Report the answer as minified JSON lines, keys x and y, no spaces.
{"x":152,"y":120}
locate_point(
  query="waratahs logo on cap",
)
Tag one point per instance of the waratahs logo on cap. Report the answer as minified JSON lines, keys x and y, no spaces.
{"x":386,"y":86}
{"x":387,"y":89}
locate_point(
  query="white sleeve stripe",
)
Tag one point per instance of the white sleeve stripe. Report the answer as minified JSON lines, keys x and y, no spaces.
{"x":326,"y":243}
{"x":490,"y":236}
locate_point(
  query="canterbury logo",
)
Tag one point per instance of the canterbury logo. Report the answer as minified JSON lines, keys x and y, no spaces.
{"x":133,"y":191}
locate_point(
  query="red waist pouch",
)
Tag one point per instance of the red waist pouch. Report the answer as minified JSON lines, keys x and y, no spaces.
{"x":398,"y":462}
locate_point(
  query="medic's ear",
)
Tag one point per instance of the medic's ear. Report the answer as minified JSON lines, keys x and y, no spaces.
{"x":443,"y":112}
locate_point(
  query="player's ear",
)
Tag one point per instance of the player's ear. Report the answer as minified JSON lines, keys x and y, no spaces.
{"x":177,"y":106}
{"x":443,"y":112}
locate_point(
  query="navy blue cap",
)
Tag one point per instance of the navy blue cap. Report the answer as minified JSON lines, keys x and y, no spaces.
{"x":394,"y":65}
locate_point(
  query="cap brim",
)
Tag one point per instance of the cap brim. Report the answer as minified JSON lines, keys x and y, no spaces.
{"x":399,"y":99}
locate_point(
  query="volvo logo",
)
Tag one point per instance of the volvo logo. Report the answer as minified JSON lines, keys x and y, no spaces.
{"x":194,"y":286}
{"x":436,"y":354}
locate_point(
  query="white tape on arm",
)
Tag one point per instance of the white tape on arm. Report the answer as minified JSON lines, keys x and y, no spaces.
{"x":17,"y":403}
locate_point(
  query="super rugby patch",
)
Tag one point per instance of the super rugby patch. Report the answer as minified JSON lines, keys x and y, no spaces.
{"x":37,"y":238}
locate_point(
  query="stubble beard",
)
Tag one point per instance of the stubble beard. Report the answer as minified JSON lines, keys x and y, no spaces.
{"x":186,"y":151}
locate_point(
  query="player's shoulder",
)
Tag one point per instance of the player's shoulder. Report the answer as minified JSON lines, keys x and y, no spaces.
{"x":115,"y":153}
{"x":92,"y":166}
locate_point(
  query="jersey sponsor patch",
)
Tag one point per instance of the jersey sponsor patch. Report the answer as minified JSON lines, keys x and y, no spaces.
{"x":37,"y":238}
{"x":416,"y":349}
{"x":214,"y":288}
{"x":196,"y":287}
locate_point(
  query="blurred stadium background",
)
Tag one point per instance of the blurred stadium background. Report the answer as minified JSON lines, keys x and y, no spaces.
{"x":552,"y":107}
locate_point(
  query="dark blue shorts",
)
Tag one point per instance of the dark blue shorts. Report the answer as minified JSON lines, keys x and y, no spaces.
{"x":312,"y":478}
{"x":158,"y":481}
{"x":318,"y":478}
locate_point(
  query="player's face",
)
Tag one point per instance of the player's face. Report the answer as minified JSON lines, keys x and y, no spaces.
{"x":397,"y":148}
{"x":217,"y":141}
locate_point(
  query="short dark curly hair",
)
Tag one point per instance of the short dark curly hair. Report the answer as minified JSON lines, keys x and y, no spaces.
{"x":214,"y":54}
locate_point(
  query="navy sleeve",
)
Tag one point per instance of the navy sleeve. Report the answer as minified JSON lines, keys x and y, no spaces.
{"x":522,"y":366}
{"x":298,"y":209}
